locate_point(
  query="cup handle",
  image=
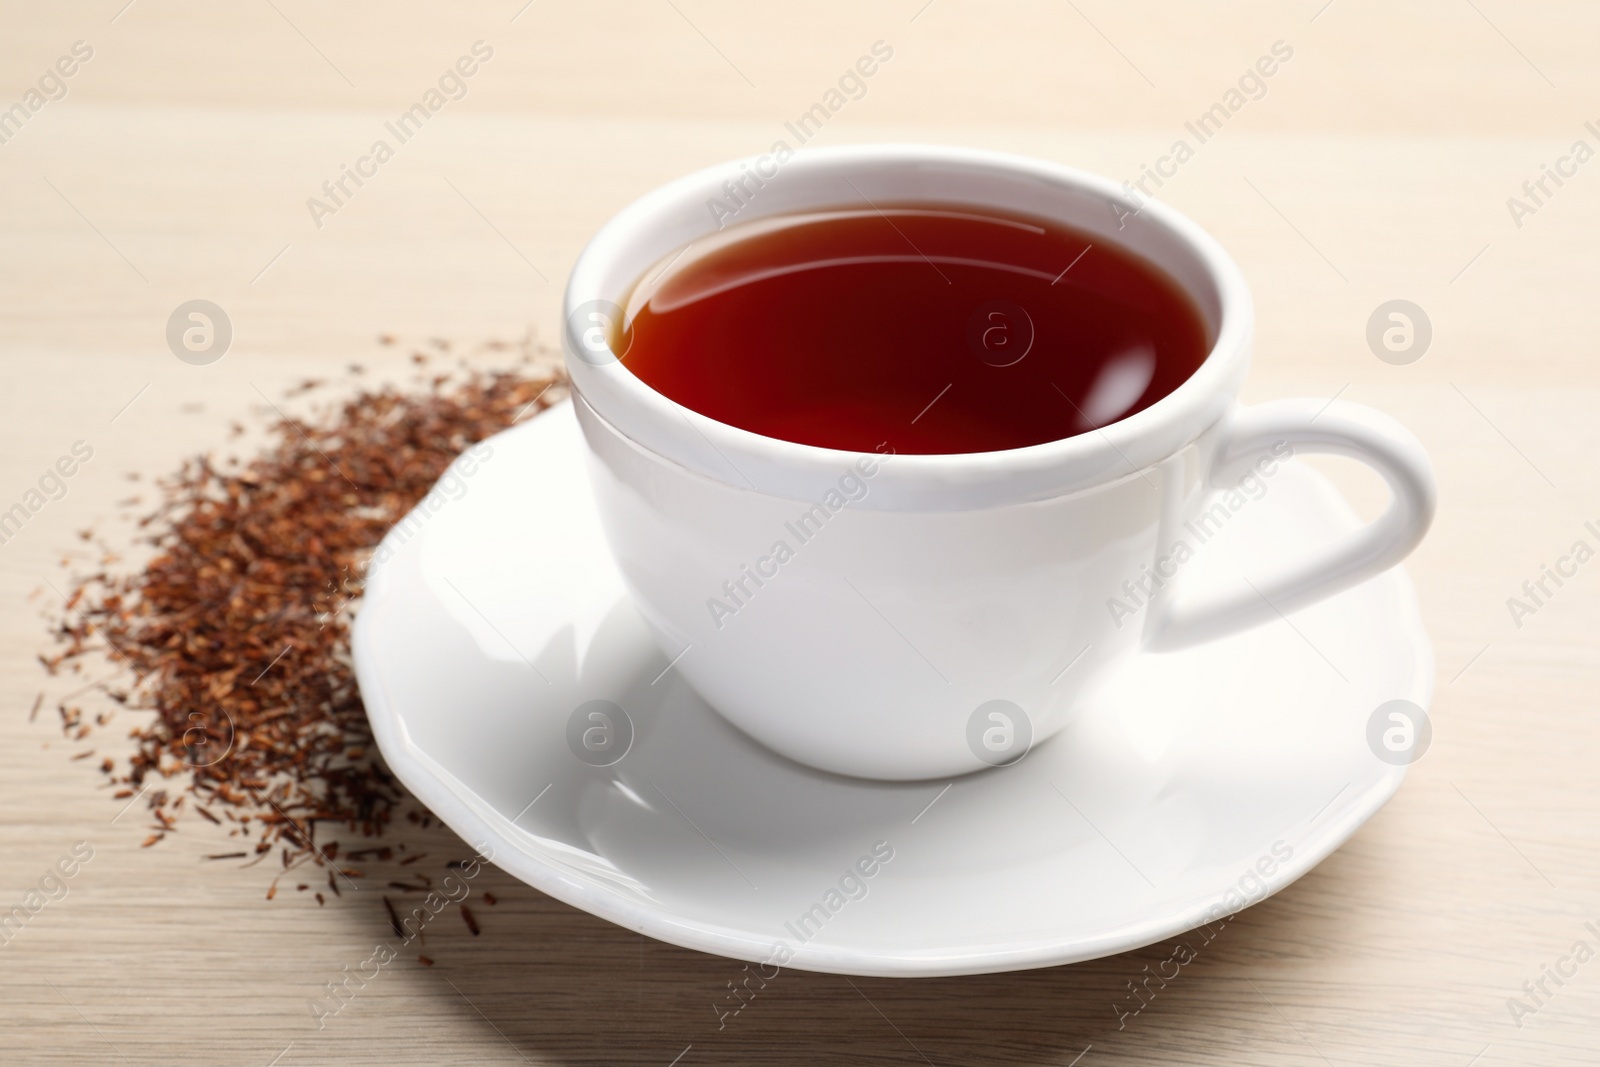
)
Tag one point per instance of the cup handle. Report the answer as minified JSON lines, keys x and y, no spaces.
{"x":1318,"y":426}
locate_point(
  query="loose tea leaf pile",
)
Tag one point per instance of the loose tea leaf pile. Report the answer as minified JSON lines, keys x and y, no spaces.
{"x":236,"y":629}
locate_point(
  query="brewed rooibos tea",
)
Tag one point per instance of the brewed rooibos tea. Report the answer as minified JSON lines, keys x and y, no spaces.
{"x":931,"y":330}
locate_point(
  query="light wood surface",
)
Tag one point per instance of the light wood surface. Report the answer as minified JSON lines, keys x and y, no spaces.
{"x":1377,"y":165}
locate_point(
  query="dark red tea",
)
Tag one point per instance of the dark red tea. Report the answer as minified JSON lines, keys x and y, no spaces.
{"x":928,"y":330}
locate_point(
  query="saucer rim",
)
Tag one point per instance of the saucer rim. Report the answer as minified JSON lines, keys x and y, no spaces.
{"x":460,"y":808}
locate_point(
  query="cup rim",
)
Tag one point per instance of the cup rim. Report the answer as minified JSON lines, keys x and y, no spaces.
{"x":746,"y":460}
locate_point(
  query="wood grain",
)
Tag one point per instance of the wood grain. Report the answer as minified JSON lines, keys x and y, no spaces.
{"x":1377,"y":165}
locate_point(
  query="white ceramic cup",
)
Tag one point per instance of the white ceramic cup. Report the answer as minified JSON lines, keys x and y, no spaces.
{"x":931,"y":615}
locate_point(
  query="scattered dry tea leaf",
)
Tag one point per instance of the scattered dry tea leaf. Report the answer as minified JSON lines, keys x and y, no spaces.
{"x":235,"y":631}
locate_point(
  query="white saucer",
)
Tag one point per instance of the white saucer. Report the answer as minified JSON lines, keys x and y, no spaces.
{"x":1198,"y":782}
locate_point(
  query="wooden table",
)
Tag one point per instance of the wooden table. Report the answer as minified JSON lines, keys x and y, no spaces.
{"x":1376,"y":164}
